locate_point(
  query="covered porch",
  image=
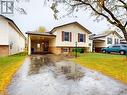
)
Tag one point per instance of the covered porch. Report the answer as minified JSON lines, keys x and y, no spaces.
{"x":40,"y":43}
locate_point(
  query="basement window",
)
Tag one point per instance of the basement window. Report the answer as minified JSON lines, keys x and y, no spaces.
{"x":65,"y":50}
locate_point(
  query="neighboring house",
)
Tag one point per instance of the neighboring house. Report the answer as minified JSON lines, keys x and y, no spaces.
{"x":61,"y":39}
{"x":123,"y":41}
{"x":12,"y":40}
{"x":105,"y":39}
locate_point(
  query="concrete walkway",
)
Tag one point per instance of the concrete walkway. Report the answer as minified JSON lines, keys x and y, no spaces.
{"x":52,"y":75}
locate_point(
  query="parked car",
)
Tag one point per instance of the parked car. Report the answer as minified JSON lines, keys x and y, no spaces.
{"x":117,"y":48}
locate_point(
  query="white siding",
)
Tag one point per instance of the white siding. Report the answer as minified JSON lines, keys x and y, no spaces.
{"x":105,"y":44}
{"x":8,"y":36}
{"x":113,"y":36}
{"x":74,"y":29}
{"x":91,"y":47}
{"x":3,"y":32}
{"x":17,"y":41}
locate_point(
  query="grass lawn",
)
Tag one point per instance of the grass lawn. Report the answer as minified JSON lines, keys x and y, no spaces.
{"x":114,"y":66}
{"x":8,"y":66}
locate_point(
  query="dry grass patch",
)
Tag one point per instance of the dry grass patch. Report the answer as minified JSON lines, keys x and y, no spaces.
{"x":8,"y":66}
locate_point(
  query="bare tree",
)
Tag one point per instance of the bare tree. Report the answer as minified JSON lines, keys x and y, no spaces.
{"x":41,"y":29}
{"x":114,"y":11}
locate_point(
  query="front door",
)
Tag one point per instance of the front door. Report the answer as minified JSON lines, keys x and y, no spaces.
{"x":38,"y":48}
{"x":45,"y":46}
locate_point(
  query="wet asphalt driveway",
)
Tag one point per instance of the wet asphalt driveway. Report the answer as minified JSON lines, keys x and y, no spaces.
{"x":52,"y":75}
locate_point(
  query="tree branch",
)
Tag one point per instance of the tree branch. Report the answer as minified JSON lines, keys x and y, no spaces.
{"x":122,"y":2}
{"x":73,"y":5}
{"x":125,"y":5}
{"x":111,"y":14}
{"x":125,"y":24}
{"x":108,"y":19}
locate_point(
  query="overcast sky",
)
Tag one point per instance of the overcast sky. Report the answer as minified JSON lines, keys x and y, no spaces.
{"x":39,"y":15}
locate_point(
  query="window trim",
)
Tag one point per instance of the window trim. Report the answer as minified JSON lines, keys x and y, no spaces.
{"x":116,"y":41}
{"x":65,"y":49}
{"x":84,"y":37}
{"x":70,"y":36}
{"x":108,"y":40}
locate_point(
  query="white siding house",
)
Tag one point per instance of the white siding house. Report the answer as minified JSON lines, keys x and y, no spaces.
{"x":123,"y":41}
{"x":12,"y":40}
{"x":75,"y":30}
{"x":61,"y":39}
{"x":105,"y":39}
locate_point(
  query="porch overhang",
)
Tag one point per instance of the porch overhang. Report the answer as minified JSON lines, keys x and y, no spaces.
{"x":42,"y":39}
{"x":40,"y":33}
{"x":98,"y":40}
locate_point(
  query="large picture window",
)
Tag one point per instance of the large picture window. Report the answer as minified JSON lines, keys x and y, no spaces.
{"x":109,"y":40}
{"x":81,"y":37}
{"x":66,"y":36}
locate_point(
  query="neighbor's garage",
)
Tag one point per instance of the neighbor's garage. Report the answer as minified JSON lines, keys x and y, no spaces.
{"x":4,"y":50}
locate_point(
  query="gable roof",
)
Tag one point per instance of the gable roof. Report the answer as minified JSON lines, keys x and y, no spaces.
{"x":12,"y":23}
{"x":76,"y":23}
{"x":106,"y":33}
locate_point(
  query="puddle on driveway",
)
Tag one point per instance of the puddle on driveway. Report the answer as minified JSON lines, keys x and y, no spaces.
{"x":56,"y":64}
{"x":52,"y":75}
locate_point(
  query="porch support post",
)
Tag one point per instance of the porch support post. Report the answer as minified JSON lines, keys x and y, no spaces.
{"x":29,"y":45}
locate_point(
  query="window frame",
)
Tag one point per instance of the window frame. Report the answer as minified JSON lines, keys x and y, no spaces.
{"x":116,"y":41}
{"x":111,"y":40}
{"x":66,"y":36}
{"x":65,"y":50}
{"x":83,"y":37}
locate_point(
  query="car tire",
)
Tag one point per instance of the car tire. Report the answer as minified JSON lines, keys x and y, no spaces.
{"x":104,"y":51}
{"x":122,"y":52}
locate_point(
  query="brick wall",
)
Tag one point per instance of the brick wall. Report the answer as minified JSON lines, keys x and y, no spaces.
{"x":55,"y":50}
